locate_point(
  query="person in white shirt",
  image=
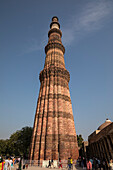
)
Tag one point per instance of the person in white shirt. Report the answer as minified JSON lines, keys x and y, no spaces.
{"x":6,"y":166}
{"x":111,"y":164}
{"x":10,"y":163}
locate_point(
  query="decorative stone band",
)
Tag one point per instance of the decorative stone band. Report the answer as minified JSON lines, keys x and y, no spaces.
{"x":55,"y":96}
{"x":54,"y":71}
{"x":57,"y":114}
{"x":55,"y":30}
{"x":57,"y":83}
{"x":65,"y":138}
{"x":55,"y":61}
{"x":54,"y":45}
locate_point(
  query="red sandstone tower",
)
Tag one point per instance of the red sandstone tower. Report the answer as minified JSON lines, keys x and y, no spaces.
{"x":54,"y":134}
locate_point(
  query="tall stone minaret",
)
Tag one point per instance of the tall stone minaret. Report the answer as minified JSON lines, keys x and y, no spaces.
{"x":54,"y":134}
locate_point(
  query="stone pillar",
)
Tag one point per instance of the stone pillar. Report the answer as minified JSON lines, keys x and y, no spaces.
{"x":106,"y":149}
{"x":100,"y":152}
{"x":110,"y":145}
{"x":102,"y":149}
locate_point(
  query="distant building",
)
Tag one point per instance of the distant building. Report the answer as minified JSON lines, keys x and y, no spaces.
{"x":101,"y":142}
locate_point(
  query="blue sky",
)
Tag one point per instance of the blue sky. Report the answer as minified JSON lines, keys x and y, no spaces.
{"x":87,"y":28}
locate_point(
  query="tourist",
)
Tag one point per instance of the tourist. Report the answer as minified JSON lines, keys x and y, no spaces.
{"x":16,"y":163}
{"x":6,"y":166}
{"x":2,"y":164}
{"x":99,"y":164}
{"x":111,"y":164}
{"x":23,"y":166}
{"x":80,"y":160}
{"x":13,"y":160}
{"x":52,"y":163}
{"x":69,"y":164}
{"x":91,"y":160}
{"x":49,"y":164}
{"x":10,"y":163}
{"x":89,"y":165}
{"x":26,"y":165}
{"x":20,"y":164}
{"x":104,"y":164}
{"x":60,"y":164}
{"x":84,"y":163}
{"x":95,"y":163}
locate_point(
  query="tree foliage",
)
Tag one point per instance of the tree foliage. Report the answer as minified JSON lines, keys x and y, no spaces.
{"x":3,"y":146}
{"x":18,"y":143}
{"x":79,"y":140}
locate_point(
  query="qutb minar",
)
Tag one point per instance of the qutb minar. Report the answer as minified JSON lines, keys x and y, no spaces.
{"x":54,"y":134}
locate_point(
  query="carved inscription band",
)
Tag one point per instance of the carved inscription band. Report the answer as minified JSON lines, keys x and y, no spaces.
{"x":65,"y":138}
{"x":55,"y":96}
{"x":54,"y":114}
{"x":57,"y":83}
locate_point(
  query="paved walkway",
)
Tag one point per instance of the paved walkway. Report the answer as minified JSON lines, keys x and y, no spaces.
{"x":40,"y":168}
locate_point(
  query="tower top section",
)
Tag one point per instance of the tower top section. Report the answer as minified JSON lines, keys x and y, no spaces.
{"x":54,"y":35}
{"x":55,"y":26}
{"x":55,"y":23}
{"x":55,"y":18}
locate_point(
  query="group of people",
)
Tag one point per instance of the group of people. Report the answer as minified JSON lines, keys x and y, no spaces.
{"x":95,"y":164}
{"x":8,"y":163}
{"x":51,"y":163}
{"x":69,"y":163}
{"x":88,"y":164}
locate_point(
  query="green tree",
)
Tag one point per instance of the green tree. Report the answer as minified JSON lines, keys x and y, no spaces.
{"x":24,"y":141}
{"x":18,"y":143}
{"x":3,"y":147}
{"x":13,"y":144}
{"x":79,"y":140}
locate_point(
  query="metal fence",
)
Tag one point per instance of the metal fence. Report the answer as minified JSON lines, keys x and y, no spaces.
{"x":45,"y":163}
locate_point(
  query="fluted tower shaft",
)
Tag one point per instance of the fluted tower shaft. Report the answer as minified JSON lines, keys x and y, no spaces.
{"x":54,"y":134}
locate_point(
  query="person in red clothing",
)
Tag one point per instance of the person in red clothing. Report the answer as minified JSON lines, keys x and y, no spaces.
{"x":89,"y":165}
{"x":2,"y":165}
{"x":60,"y":163}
